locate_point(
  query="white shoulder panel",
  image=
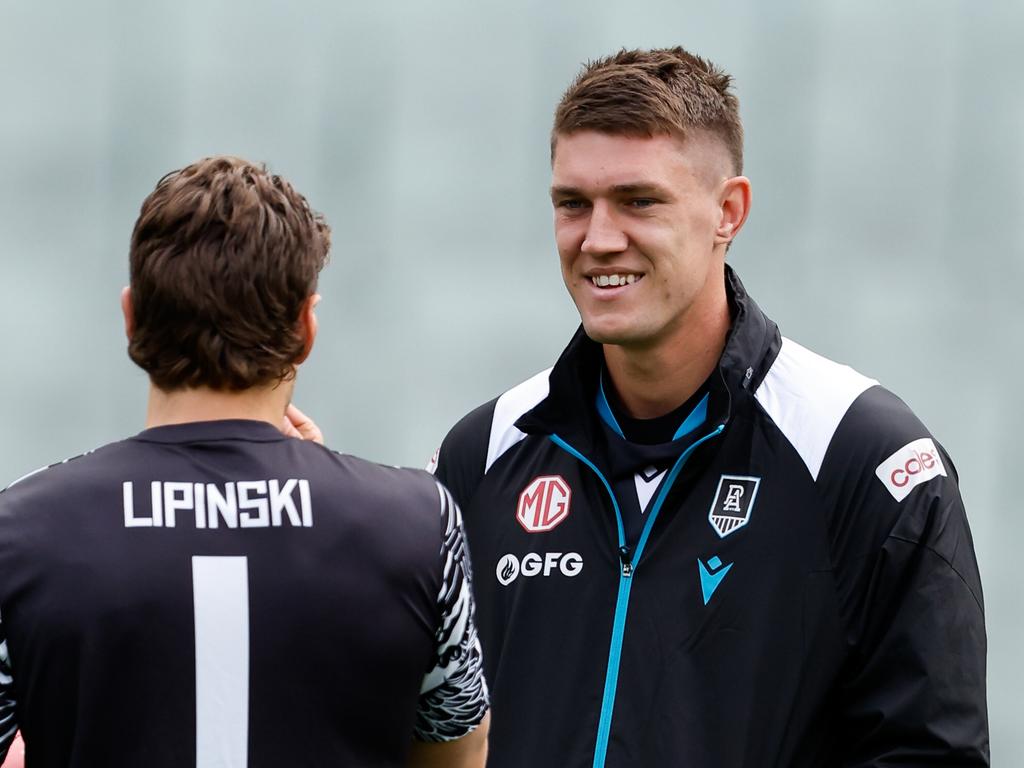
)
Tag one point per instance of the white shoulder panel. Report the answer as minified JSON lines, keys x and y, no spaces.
{"x":508,"y":409}
{"x":807,"y":395}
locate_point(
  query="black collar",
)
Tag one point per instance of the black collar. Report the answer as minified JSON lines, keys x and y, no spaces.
{"x":568,"y":410}
{"x":203,"y":431}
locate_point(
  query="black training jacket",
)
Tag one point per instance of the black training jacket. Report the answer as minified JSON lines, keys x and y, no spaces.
{"x":804,"y":591}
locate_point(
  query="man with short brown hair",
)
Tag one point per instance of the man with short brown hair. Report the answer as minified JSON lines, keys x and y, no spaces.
{"x":211,"y":592}
{"x":697,"y":542}
{"x":224,"y":258}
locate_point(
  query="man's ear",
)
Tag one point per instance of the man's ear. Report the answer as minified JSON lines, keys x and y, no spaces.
{"x":308,"y":324}
{"x":734,"y":206}
{"x":127,"y":311}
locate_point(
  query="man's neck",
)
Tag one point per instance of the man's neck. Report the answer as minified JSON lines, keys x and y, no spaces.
{"x":182,"y":406}
{"x":655,"y":380}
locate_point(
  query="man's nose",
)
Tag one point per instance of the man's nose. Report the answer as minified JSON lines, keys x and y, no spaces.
{"x":604,"y":235}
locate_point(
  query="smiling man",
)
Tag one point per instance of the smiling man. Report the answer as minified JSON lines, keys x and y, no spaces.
{"x":697,"y":542}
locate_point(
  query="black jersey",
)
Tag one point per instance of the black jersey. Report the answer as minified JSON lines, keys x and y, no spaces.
{"x":215,"y":594}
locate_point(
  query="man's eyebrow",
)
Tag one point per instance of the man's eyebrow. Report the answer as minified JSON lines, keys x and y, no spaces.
{"x":639,"y":187}
{"x":629,"y":188}
{"x":563,"y":191}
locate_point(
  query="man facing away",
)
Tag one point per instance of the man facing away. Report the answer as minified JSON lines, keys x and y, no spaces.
{"x":697,"y":542}
{"x":211,"y":592}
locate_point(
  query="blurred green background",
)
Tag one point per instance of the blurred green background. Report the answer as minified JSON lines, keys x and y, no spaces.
{"x":883,"y":142}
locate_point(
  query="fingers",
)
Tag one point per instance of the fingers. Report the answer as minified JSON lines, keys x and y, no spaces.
{"x":301,"y":426}
{"x":288,"y":429}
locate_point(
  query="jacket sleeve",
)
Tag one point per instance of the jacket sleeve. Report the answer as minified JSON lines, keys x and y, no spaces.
{"x":913,"y":689}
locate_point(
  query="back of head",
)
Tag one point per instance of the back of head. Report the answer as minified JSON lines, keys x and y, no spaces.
{"x":224,"y":256}
{"x":647,"y":93}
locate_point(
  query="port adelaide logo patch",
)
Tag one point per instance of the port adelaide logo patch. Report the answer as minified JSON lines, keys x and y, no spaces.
{"x":734,"y":501}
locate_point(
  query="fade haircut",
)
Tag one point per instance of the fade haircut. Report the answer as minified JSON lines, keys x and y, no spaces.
{"x":649,"y":93}
{"x":223,"y":257}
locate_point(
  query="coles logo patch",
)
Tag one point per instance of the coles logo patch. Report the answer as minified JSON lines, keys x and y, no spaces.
{"x":911,"y":465}
{"x":543,"y":504}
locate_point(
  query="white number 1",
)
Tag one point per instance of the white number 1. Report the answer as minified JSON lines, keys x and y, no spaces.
{"x":220,"y":587}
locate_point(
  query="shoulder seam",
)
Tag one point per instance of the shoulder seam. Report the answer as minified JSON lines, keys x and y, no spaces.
{"x":807,"y":396}
{"x":928,"y":548}
{"x":42,"y":469}
{"x":507,"y":410}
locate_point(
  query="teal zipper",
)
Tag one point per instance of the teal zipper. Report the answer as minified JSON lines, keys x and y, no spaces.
{"x":629,"y":566}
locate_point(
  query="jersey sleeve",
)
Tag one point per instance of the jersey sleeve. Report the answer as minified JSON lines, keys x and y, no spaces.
{"x":913,"y":691}
{"x":453,"y":698}
{"x":8,"y":719}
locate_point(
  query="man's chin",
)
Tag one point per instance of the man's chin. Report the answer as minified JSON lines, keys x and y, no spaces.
{"x":604,"y":334}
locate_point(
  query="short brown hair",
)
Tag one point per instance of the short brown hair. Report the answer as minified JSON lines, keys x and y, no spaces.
{"x":645,"y":93}
{"x":223,"y":257}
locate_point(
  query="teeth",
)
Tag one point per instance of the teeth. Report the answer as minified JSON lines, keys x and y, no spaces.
{"x":603,"y":281}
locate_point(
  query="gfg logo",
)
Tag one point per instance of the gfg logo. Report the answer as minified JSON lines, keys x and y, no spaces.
{"x":510,"y":567}
{"x":543,"y":504}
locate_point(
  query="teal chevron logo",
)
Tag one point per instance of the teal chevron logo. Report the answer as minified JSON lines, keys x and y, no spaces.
{"x":711,"y":576}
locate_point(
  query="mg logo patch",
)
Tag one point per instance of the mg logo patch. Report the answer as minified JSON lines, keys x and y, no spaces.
{"x":733,"y":503}
{"x":432,"y":464}
{"x":543,"y":504}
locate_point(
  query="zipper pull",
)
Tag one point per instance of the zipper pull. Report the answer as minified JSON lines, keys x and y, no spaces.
{"x":624,"y":558}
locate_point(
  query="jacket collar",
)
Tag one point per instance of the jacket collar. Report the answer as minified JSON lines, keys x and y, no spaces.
{"x":568,"y":410}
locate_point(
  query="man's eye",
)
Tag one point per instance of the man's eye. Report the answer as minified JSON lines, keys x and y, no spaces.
{"x":571,"y":204}
{"x":642,"y":202}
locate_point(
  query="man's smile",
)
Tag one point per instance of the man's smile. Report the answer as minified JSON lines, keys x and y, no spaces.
{"x":615,"y":280}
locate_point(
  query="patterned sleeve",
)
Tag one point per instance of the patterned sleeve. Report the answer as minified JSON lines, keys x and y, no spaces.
{"x":8,"y":721}
{"x":453,"y":697}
